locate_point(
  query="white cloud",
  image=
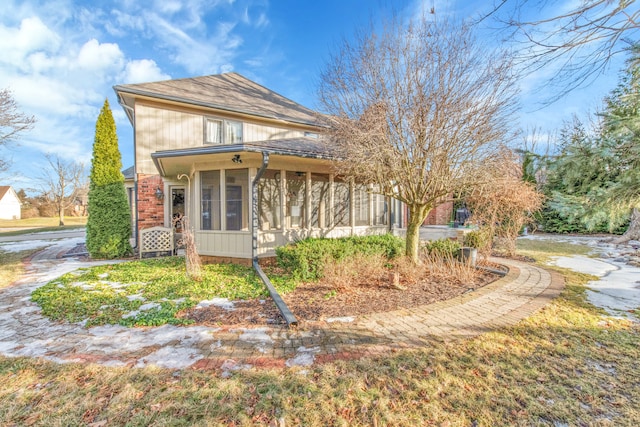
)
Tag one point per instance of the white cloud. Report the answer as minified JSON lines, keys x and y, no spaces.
{"x":143,"y":70}
{"x":31,"y":36}
{"x":100,"y":57}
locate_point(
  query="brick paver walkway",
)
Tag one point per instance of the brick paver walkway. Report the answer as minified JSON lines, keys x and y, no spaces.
{"x":25,"y":332}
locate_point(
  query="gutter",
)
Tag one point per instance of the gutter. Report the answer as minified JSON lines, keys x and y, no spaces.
{"x":231,"y":148}
{"x":275,"y":296}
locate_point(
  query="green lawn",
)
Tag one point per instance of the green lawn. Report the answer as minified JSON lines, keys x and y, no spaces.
{"x":565,"y":365}
{"x":108,"y":294}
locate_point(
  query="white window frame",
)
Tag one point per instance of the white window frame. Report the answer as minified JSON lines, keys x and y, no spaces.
{"x":225,"y":134}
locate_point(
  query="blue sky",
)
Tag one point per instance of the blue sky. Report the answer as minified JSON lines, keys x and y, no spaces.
{"x":62,"y":57}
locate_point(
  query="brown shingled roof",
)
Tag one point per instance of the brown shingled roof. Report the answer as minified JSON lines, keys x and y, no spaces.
{"x":228,"y":91}
{"x":3,"y":190}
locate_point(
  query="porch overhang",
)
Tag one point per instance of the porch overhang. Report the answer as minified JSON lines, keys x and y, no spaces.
{"x":173,"y":162}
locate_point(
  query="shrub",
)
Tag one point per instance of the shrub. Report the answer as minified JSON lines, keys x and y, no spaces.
{"x":479,"y":239}
{"x":442,"y":248}
{"x":305,"y":259}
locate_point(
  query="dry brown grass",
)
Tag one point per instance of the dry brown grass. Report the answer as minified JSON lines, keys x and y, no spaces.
{"x":361,"y":268}
{"x":11,"y":267}
{"x":358,"y":268}
{"x":565,"y":365}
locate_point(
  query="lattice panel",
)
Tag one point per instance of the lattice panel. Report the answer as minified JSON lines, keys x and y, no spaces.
{"x":156,"y":239}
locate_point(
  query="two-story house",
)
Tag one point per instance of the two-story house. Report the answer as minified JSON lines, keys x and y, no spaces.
{"x":200,"y":143}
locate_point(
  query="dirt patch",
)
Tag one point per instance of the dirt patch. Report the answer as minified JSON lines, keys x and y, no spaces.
{"x":322,"y":300}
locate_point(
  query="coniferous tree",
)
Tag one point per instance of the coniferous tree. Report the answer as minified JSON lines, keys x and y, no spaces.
{"x":621,"y":140}
{"x":594,"y":182}
{"x":109,"y":222}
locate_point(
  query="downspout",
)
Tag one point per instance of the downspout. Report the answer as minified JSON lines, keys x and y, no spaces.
{"x":277,"y":299}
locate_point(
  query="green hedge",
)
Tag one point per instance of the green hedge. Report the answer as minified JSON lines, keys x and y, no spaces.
{"x":305,"y":259}
{"x":443,"y":247}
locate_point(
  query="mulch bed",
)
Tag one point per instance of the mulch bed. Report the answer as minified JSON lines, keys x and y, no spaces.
{"x":318,"y":301}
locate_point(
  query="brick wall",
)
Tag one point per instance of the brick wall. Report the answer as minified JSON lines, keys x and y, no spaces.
{"x":150,"y":209}
{"x":440,"y":215}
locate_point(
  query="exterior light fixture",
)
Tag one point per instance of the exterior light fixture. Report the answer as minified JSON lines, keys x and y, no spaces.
{"x":159,"y":194}
{"x":236,"y":159}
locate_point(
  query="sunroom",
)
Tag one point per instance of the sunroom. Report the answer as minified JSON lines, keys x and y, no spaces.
{"x":236,"y":217}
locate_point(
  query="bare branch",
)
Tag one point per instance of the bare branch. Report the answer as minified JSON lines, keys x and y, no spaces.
{"x":580,"y":42}
{"x":416,"y":108}
{"x":12,"y":121}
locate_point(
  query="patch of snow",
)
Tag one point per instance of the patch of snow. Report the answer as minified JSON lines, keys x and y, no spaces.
{"x":259,"y":337}
{"x":144,"y":307}
{"x":83,"y":285}
{"x":615,"y":291}
{"x":584,"y":264}
{"x":304,"y":357}
{"x":7,"y":346}
{"x":24,"y":245}
{"x":171,"y":357}
{"x":345,"y":319}
{"x":136,"y":297}
{"x":230,"y":365}
{"x":223,"y":303}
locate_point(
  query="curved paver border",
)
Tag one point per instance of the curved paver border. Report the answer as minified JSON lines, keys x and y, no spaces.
{"x":25,"y":332}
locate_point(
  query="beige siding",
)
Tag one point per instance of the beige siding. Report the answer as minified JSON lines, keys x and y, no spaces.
{"x":256,"y":132}
{"x":224,"y":244}
{"x":160,"y":129}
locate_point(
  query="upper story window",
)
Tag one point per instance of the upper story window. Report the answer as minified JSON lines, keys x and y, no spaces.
{"x":218,"y":131}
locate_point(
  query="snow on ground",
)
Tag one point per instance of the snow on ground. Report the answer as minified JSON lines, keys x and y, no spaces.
{"x":223,"y":303}
{"x":304,"y":357}
{"x":584,"y":264}
{"x":617,"y":290}
{"x":25,"y":245}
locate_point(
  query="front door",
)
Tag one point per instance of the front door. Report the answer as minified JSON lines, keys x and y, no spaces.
{"x":177,"y":207}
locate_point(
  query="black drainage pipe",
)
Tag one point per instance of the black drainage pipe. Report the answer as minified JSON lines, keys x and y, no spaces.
{"x":275,"y":296}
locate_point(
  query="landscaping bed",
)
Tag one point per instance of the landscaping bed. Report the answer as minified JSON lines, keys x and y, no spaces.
{"x":319,"y":301}
{"x":319,"y":279}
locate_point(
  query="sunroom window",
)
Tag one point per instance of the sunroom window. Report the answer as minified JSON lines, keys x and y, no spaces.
{"x":210,"y":200}
{"x":269,"y":201}
{"x":218,"y":131}
{"x":341,"y":202}
{"x":320,"y":197}
{"x":296,"y":185}
{"x":361,"y":204}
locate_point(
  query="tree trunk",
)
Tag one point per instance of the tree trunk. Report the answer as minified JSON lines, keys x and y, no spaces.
{"x":633,"y":232}
{"x":60,"y":216}
{"x":417,"y":215}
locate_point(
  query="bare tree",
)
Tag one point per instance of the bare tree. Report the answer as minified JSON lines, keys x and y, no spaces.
{"x":415,"y":108}
{"x":13,"y":122}
{"x":62,"y":183}
{"x":505,"y":203}
{"x":580,"y":41}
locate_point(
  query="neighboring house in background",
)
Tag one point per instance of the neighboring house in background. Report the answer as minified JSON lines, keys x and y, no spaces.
{"x":9,"y":203}
{"x":218,"y":133}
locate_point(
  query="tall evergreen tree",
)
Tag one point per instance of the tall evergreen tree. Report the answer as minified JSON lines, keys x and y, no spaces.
{"x":621,"y":140}
{"x":595,"y":179}
{"x":109,"y":223}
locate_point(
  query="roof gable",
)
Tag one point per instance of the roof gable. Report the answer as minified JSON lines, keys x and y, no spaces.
{"x":6,"y":189}
{"x":229,"y":92}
